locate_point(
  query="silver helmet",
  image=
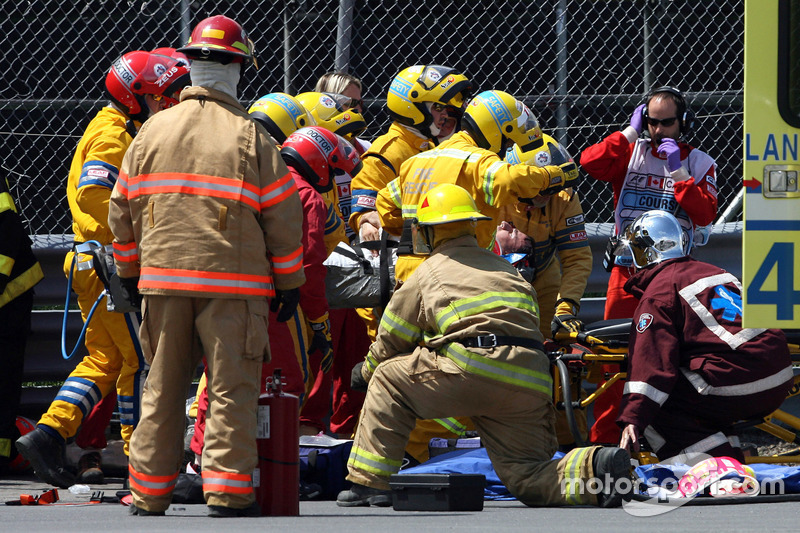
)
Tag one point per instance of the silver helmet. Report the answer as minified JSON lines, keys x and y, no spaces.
{"x":654,"y":237}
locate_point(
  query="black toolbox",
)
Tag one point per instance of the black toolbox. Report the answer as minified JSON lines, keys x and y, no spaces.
{"x":437,"y":492}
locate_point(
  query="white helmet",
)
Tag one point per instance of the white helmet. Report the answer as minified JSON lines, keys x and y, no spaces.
{"x":654,"y":237}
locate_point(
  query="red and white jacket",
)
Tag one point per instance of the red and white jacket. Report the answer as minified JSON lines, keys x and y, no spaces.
{"x":642,"y":182}
{"x":688,"y":325}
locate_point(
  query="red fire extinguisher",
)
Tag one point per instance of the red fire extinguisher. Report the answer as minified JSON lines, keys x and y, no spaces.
{"x":277,"y":477}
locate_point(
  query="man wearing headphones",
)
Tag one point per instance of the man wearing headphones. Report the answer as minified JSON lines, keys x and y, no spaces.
{"x":656,"y":172}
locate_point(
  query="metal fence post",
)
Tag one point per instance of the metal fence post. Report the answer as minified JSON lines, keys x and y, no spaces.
{"x":344,"y":32}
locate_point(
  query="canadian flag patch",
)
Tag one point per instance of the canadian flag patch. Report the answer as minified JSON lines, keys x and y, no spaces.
{"x":645,"y":319}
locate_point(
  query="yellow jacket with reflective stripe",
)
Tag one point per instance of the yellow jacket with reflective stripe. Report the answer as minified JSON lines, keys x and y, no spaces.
{"x":93,"y":172}
{"x":489,"y":180}
{"x":204,"y":205}
{"x":380,"y":165}
{"x":18,"y":266}
{"x":435,"y":307}
{"x":556,"y":227}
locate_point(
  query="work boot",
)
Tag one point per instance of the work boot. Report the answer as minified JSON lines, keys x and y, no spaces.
{"x":220,"y":511}
{"x":90,"y":469}
{"x":137,"y":511}
{"x":46,"y":455}
{"x":612,"y":468}
{"x":362,"y":496}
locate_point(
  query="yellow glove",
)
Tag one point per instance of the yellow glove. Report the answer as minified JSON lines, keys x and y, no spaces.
{"x":565,"y":317}
{"x":321,"y":340}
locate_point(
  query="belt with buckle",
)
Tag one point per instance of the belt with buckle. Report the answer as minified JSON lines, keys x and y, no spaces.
{"x":491,"y":340}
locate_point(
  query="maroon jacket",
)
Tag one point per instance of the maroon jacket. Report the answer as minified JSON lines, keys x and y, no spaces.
{"x":688,"y":325}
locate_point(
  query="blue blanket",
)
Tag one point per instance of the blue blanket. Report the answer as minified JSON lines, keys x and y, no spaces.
{"x":477,"y":462}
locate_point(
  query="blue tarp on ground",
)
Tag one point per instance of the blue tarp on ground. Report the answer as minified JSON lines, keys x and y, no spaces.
{"x":477,"y":462}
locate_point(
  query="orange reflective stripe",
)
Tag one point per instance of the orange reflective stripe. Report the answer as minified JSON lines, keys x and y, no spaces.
{"x":122,"y":184}
{"x":278,"y":191}
{"x":151,"y":485}
{"x":200,"y":281}
{"x":126,"y":253}
{"x":210,"y":186}
{"x":227,"y":482}
{"x":286,"y":264}
{"x":195,"y":184}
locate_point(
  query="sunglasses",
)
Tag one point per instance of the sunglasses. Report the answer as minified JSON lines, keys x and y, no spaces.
{"x":354,"y":102}
{"x":666,"y":122}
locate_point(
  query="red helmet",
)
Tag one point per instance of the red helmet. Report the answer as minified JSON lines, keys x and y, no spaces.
{"x":138,"y":73}
{"x":317,"y":154}
{"x":173,"y":91}
{"x":219,"y":39}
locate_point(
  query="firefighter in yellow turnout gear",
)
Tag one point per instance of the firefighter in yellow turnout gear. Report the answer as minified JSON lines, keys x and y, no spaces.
{"x":446,"y":347}
{"x":139,"y":84}
{"x":550,"y":230}
{"x":492,"y":122}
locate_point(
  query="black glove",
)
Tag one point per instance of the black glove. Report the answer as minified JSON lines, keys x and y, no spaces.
{"x":357,"y":381}
{"x":125,"y":294}
{"x":569,"y":322}
{"x":285,"y":303}
{"x":322,"y":341}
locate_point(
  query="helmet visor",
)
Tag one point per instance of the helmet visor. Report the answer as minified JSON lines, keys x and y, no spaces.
{"x":531,"y":137}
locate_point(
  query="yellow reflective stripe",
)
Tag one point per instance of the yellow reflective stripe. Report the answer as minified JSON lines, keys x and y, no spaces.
{"x":370,"y":462}
{"x":572,"y":476}
{"x":452,"y":425}
{"x":400,"y":328}
{"x":395,"y":193}
{"x":22,"y":283}
{"x":453,"y":153}
{"x":6,"y":202}
{"x":6,"y":264}
{"x":498,"y":370}
{"x":409,"y":211}
{"x":371,"y":362}
{"x":488,"y":181}
{"x":482,"y":302}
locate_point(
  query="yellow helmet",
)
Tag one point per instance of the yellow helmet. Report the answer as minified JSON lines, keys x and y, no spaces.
{"x":280,"y":114}
{"x":550,"y":153}
{"x":493,"y":118}
{"x":416,"y":86}
{"x":447,"y":203}
{"x":328,"y":112}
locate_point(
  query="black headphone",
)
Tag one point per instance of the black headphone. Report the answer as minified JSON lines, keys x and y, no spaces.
{"x":686,"y":118}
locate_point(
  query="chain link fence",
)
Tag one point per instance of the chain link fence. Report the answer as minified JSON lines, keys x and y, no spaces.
{"x":581,"y":65}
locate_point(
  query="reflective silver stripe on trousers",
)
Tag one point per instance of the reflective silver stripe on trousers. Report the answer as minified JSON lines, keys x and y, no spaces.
{"x":743,"y":389}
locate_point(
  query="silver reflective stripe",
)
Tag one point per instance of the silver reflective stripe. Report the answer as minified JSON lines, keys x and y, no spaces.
{"x":708,"y":443}
{"x":654,"y":438}
{"x":640,"y":387}
{"x":690,"y":292}
{"x":743,"y":389}
{"x":226,"y":482}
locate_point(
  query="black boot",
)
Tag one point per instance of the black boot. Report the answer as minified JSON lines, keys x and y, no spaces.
{"x":612,"y":467}
{"x":220,"y":511}
{"x":362,"y":496}
{"x":90,"y":469}
{"x":46,"y":455}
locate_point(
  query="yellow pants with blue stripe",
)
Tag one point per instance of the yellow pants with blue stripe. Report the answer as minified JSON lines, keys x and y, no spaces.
{"x":114,"y":362}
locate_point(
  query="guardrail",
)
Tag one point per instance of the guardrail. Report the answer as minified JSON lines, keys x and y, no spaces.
{"x":43,"y":360}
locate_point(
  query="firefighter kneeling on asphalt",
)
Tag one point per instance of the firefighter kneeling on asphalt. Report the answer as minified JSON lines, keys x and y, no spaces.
{"x":461,"y":338}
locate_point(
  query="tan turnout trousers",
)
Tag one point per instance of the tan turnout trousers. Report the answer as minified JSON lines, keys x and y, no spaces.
{"x":515,"y":425}
{"x":176,"y":332}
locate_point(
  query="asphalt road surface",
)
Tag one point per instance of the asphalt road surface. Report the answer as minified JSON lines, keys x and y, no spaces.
{"x":74,"y":513}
